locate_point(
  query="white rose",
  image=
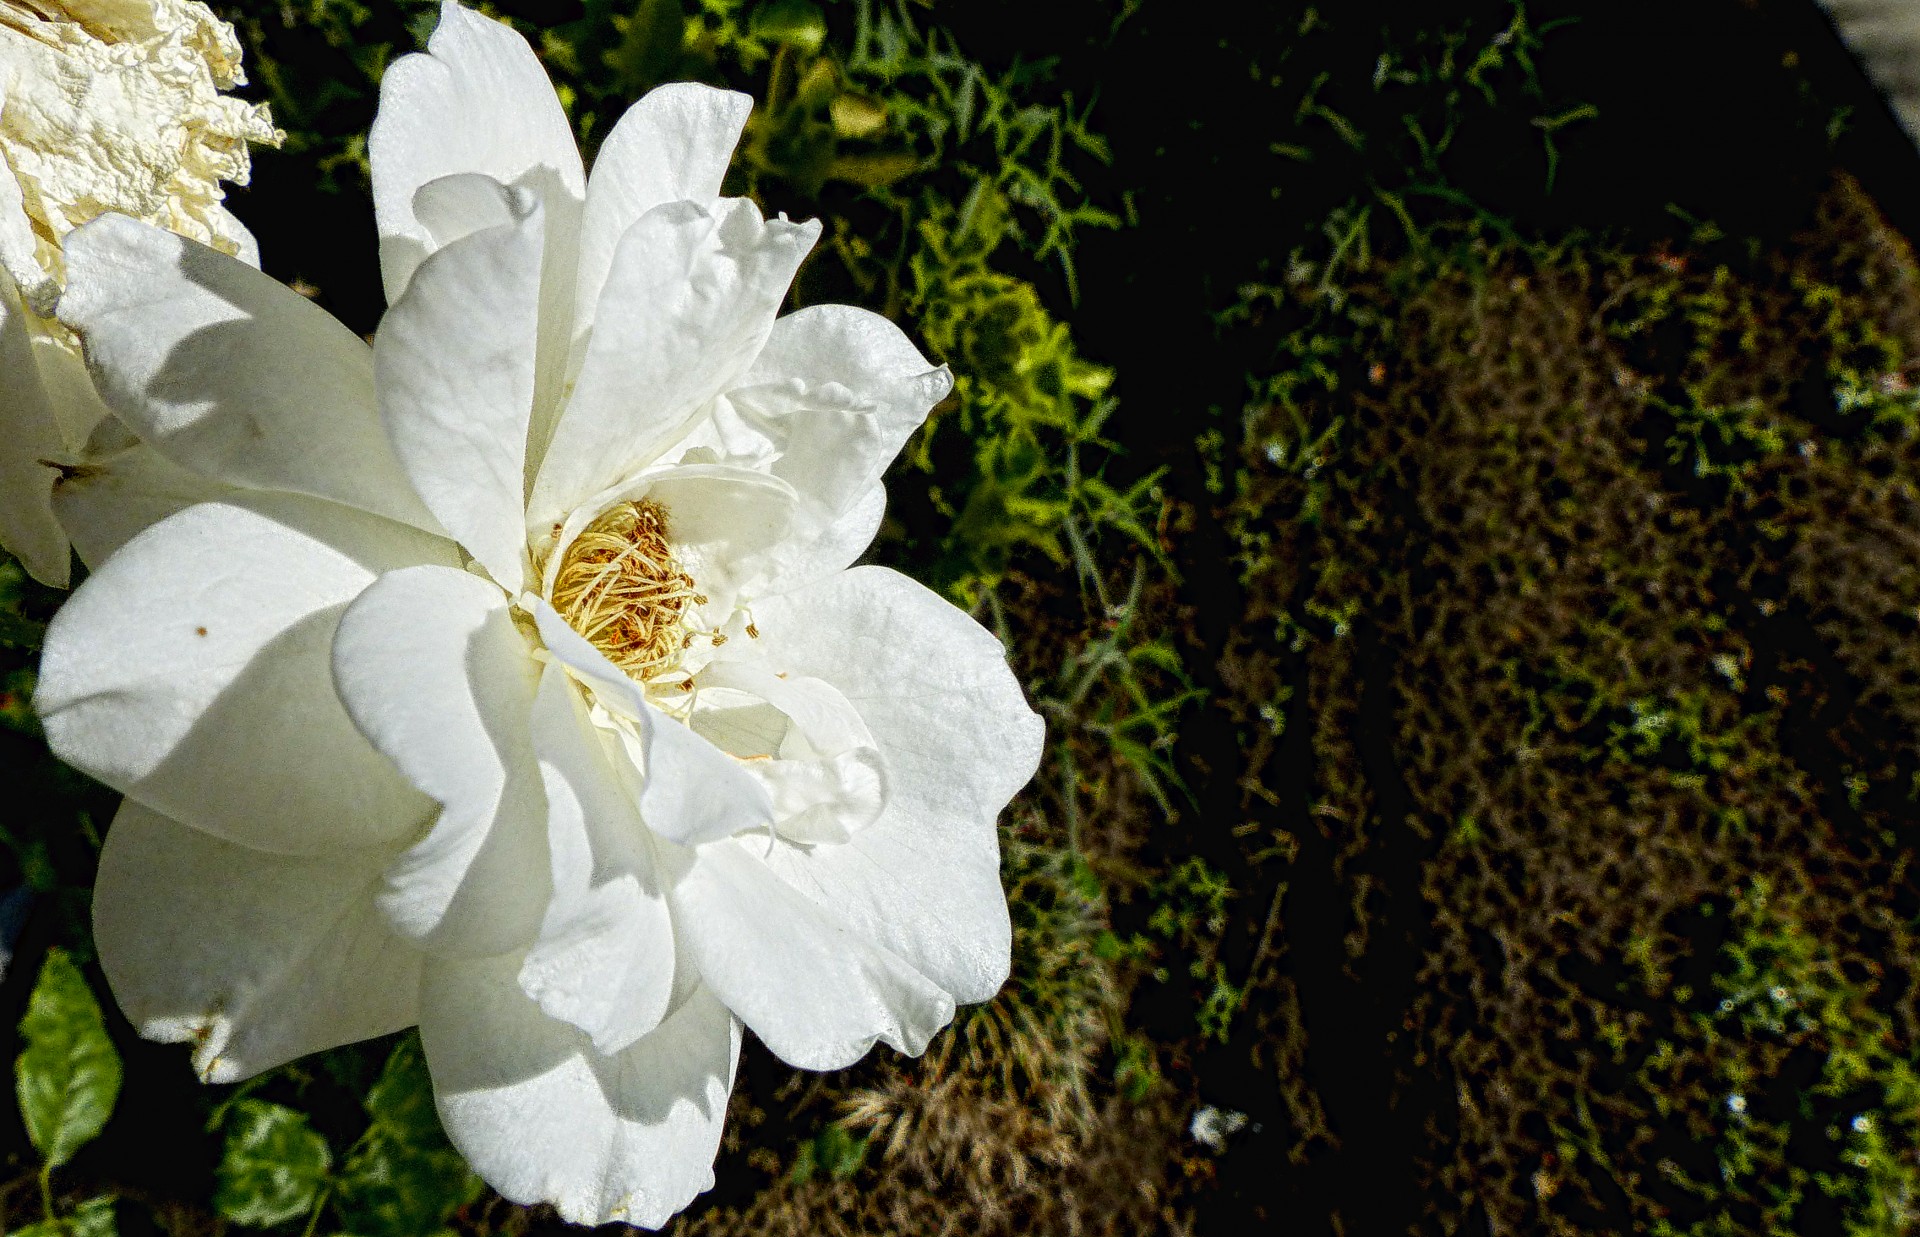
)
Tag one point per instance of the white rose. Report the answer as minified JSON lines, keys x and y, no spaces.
{"x":570,"y":547}
{"x":109,"y":105}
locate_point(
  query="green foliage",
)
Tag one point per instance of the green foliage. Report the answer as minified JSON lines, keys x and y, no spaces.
{"x":67,"y":1076}
{"x":1136,"y":1068}
{"x":977,"y":129}
{"x":965,"y":181}
{"x":1783,"y":990}
{"x":798,"y":24}
{"x":1397,"y":160}
{"x":67,"y":1079}
{"x":399,"y":1178}
{"x":402,"y":1178}
{"x":1040,"y":1035}
{"x":1027,"y":407}
{"x":833,"y":1153}
{"x":1569,"y":558}
{"x":20,"y":633}
{"x":1121,"y":693}
{"x":92,"y":1218}
{"x":275,"y":1166}
{"x":316,"y":64}
{"x":1191,"y":906}
{"x":24,"y":633}
{"x":1729,"y":434}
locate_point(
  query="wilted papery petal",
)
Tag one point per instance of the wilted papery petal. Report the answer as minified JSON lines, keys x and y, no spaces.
{"x":119,"y":107}
{"x":109,"y":107}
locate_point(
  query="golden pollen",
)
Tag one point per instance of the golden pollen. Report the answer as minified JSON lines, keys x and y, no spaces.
{"x":620,"y":586}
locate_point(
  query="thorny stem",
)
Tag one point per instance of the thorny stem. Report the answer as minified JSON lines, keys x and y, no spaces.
{"x":1001,"y":628}
{"x":1266,"y":935}
{"x":319,"y":1205}
{"x":1093,"y":661}
{"x":1070,"y":795}
{"x":1086,"y":566}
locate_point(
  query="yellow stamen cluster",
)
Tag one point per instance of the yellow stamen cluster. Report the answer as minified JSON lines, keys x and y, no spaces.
{"x":620,"y":586}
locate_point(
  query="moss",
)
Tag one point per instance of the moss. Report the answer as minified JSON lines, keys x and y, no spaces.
{"x":1578,"y":582}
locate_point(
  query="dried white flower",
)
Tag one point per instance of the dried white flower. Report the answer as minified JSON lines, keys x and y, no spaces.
{"x":116,"y":105}
{"x":105,"y":106}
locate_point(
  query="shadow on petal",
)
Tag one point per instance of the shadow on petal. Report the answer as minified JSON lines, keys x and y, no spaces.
{"x":273,"y":761}
{"x":228,"y":373}
{"x":542,"y":1116}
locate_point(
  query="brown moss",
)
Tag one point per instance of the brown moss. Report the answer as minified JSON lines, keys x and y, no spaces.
{"x":1600,"y":611}
{"x":1113,"y":1183}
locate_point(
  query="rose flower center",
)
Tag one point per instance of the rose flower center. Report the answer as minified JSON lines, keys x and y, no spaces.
{"x":621,"y":587}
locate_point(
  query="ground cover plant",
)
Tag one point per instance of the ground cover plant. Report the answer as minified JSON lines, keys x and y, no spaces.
{"x":1454,"y":502}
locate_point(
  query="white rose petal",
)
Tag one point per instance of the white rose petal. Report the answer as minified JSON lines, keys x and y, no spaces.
{"x":921,"y":880}
{"x":253,"y":958}
{"x":689,"y":301}
{"x":604,"y":960}
{"x":544,"y":1117}
{"x":221,"y":370}
{"x":671,"y":146}
{"x":28,"y":527}
{"x":477,"y":103}
{"x":454,"y":359}
{"x":433,"y":672}
{"x":192,"y":672}
{"x":106,"y":502}
{"x":817,"y":993}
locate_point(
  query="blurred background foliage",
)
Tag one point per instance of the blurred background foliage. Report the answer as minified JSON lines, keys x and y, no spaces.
{"x":1448,"y":476}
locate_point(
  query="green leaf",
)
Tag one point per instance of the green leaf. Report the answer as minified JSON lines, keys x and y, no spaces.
{"x":875,"y":169}
{"x":69,"y":1075}
{"x":803,"y":1166}
{"x":93,"y":1218}
{"x":21,"y":633}
{"x":856,"y":116}
{"x":401,"y":1102}
{"x":832,"y":1151}
{"x":797,"y":23}
{"x":649,"y":46}
{"x":274,"y":1166}
{"x":403,"y":1179}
